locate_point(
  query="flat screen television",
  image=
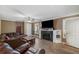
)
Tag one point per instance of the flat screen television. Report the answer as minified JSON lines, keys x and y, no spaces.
{"x":47,"y":24}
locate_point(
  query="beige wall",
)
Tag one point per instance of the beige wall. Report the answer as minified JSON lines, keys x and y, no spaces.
{"x":0,"y":27}
{"x":8,"y":26}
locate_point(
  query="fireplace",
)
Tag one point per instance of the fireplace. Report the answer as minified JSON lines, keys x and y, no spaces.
{"x":47,"y":35}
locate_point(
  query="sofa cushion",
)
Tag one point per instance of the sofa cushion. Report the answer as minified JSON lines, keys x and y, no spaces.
{"x":23,"y":48}
{"x":15,"y":43}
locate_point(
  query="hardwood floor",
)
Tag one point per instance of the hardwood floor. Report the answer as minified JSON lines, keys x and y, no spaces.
{"x":54,"y":48}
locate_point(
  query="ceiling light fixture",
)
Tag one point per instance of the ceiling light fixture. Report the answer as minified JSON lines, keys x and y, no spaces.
{"x":29,"y":19}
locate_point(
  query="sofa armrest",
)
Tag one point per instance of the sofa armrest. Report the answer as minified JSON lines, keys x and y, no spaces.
{"x":35,"y":51}
{"x":23,"y":48}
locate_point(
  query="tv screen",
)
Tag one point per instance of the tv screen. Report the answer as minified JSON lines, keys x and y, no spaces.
{"x":47,"y":24}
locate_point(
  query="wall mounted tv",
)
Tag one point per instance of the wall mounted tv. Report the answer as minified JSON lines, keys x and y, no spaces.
{"x":47,"y":24}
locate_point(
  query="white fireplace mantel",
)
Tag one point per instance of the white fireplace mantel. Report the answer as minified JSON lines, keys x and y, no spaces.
{"x":50,"y":29}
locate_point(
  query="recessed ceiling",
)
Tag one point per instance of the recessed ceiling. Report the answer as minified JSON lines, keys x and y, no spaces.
{"x":38,"y":12}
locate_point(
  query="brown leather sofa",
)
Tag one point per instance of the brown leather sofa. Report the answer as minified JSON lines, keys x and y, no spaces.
{"x":11,"y":36}
{"x":35,"y":51}
{"x":18,"y":46}
{"x":6,"y":49}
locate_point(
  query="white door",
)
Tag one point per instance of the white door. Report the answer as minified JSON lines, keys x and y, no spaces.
{"x":72,"y":32}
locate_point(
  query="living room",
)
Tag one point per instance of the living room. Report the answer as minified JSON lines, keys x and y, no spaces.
{"x":34,"y":29}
